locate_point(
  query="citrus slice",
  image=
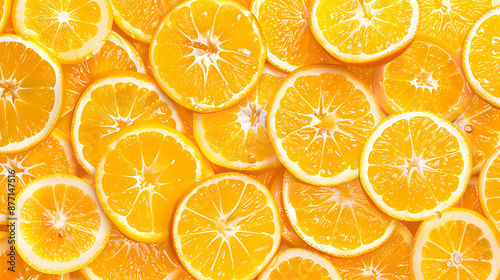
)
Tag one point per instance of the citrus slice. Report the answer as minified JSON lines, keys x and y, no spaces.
{"x":390,"y":261}
{"x":72,"y":30}
{"x":61,"y":225}
{"x":364,"y":32}
{"x":135,"y":261}
{"x":113,"y":103}
{"x":489,"y":190}
{"x":116,"y":55}
{"x":227,"y":227}
{"x":266,"y":177}
{"x":339,"y":220}
{"x":427,"y":76}
{"x":456,"y":244}
{"x":480,"y":123}
{"x":289,"y":39}
{"x":215,"y":52}
{"x":237,"y":136}
{"x":142,"y":173}
{"x":5,"y":11}
{"x":52,"y":155}
{"x":300,"y":264}
{"x":470,"y":200}
{"x":364,"y":73}
{"x":479,"y":57}
{"x":30,"y":93}
{"x":415,"y":164}
{"x":318,"y":122}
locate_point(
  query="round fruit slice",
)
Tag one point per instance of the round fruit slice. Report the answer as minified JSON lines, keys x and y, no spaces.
{"x":61,"y":225}
{"x":5,"y":11}
{"x":479,"y":57}
{"x":457,"y":244}
{"x":73,"y":30}
{"x":116,"y":55}
{"x":489,"y":188}
{"x":237,"y":137}
{"x":52,"y":155}
{"x":427,"y":76}
{"x":142,"y":173}
{"x":318,"y":122}
{"x":135,"y":261}
{"x":215,"y":51}
{"x":289,"y":39}
{"x":113,"y":103}
{"x":30,"y":93}
{"x":339,"y":220}
{"x":227,"y":227}
{"x":470,"y":200}
{"x":300,"y":264}
{"x":364,"y":32}
{"x":390,"y":261}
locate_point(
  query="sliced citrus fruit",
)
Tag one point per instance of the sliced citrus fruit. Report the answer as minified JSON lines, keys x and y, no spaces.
{"x":456,"y":244}
{"x":480,"y":123}
{"x":142,"y":173}
{"x":52,"y":155}
{"x":301,"y":264}
{"x":415,"y":164}
{"x":112,"y":103}
{"x":289,"y":39}
{"x":364,"y":32}
{"x":237,"y":136}
{"x":5,"y":10}
{"x":266,"y":177}
{"x":215,"y":52}
{"x":61,"y":225}
{"x":364,"y":73}
{"x":390,"y":261}
{"x":227,"y":227}
{"x":470,"y":200}
{"x":427,"y":76}
{"x":318,"y":122}
{"x":489,"y":188}
{"x":135,"y":261}
{"x":479,"y":57}
{"x":30,"y":93}
{"x":72,"y":30}
{"x":339,"y":220}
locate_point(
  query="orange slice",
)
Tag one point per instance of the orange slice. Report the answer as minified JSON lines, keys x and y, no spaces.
{"x":215,"y":52}
{"x":364,"y":73}
{"x":142,"y":173}
{"x":489,"y":190}
{"x":227,"y":227}
{"x":141,"y":47}
{"x":61,"y":225}
{"x":5,"y":10}
{"x":300,"y":264}
{"x":290,"y":41}
{"x":339,"y":220}
{"x":266,"y":177}
{"x":427,"y":76}
{"x":457,"y":244}
{"x":364,"y":32}
{"x":470,"y":200}
{"x":390,"y":261}
{"x":318,"y":122}
{"x":30,"y":93}
{"x":133,"y":260}
{"x":113,"y":103}
{"x":237,"y":137}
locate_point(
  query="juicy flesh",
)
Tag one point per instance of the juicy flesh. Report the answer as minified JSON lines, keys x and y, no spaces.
{"x":492,"y":192}
{"x":298,"y":268}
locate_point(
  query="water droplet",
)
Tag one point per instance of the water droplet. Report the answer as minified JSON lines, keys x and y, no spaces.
{"x":468,"y":128}
{"x":437,"y":215}
{"x":252,"y":158}
{"x":448,"y":264}
{"x":60,"y":233}
{"x":68,"y":229}
{"x":442,"y":204}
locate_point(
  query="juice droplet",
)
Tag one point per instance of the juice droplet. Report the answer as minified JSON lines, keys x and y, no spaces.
{"x":45,"y":215}
{"x":468,"y":128}
{"x":60,"y":233}
{"x":68,"y":229}
{"x":437,"y":215}
{"x":448,"y":264}
{"x":252,"y":158}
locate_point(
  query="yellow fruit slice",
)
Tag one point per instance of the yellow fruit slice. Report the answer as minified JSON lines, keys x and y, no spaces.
{"x":300,"y":264}
{"x":364,"y":32}
{"x":489,"y":190}
{"x":427,"y":76}
{"x":215,"y":51}
{"x":142,"y":173}
{"x":415,"y":164}
{"x":318,"y":122}
{"x":113,"y":103}
{"x":390,"y":261}
{"x":5,"y":10}
{"x":133,"y":260}
{"x":470,"y":200}
{"x":289,"y":39}
{"x":457,"y":244}
{"x":61,"y":225}
{"x":72,"y":30}
{"x":479,"y":57}
{"x":237,"y":137}
{"x":227,"y":227}
{"x":30,"y":93}
{"x":116,"y":55}
{"x":339,"y":220}
{"x":52,"y":155}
